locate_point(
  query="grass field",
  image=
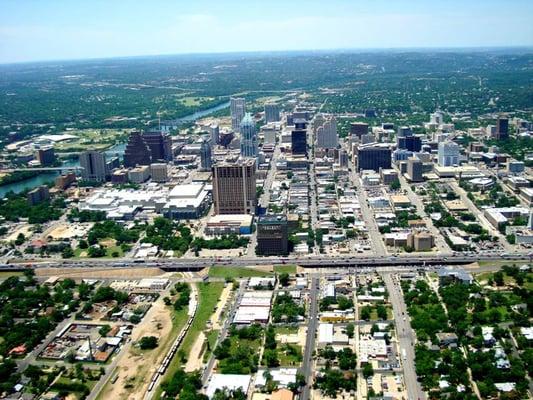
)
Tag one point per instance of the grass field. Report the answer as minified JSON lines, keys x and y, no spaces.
{"x":109,"y":252}
{"x":235,"y":272}
{"x":286,"y":330}
{"x":289,"y":269}
{"x":501,"y":263}
{"x":289,"y":355}
{"x":95,"y":139}
{"x":208,"y":295}
{"x":508,"y":280}
{"x":194,"y":101}
{"x":211,"y":339}
{"x":7,"y":274}
{"x":374,"y":314}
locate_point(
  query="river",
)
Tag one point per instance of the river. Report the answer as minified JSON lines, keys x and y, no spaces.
{"x":115,"y":150}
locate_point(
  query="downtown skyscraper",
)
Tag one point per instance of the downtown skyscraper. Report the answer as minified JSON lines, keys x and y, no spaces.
{"x":237,"y":107}
{"x":248,"y":137}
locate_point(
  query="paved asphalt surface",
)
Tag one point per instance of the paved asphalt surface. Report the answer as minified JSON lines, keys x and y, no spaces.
{"x":317,"y":261}
{"x":310,"y":340}
{"x":406,"y":338}
{"x":376,"y":241}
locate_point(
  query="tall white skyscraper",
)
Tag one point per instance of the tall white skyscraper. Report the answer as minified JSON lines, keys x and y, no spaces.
{"x":326,"y":133}
{"x":238,"y":109}
{"x":449,"y":154}
{"x":248,"y":137}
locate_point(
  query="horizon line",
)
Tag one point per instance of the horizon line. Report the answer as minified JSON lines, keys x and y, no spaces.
{"x":353,"y":50}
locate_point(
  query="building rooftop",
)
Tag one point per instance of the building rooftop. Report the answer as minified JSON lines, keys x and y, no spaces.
{"x":228,"y":381}
{"x":186,"y":191}
{"x":272,"y":219}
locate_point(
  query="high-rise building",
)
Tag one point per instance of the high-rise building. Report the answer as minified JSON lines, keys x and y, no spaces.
{"x":358,"y":129}
{"x":269,"y":134}
{"x":414,"y":170}
{"x":370,"y":113}
{"x":139,"y":174}
{"x":502,"y":128}
{"x":137,"y":151}
{"x":112,"y":164}
{"x":64,"y":181}
{"x":411,"y":143}
{"x":404,"y":131}
{"x":436,"y":118}
{"x":94,"y":166}
{"x":448,"y":154}
{"x":401,"y":155}
{"x":272,"y":236}
{"x":368,"y":138}
{"x":159,"y":172}
{"x":205,"y":156}
{"x":160,"y":145}
{"x":214,"y":131}
{"x":373,"y":157}
{"x":234,"y":190}
{"x":237,"y":107}
{"x":38,"y":195}
{"x":248,"y":137}
{"x":343,"y":158}
{"x":326,"y":134}
{"x":299,"y":137}
{"x":46,"y":156}
{"x":271,"y":112}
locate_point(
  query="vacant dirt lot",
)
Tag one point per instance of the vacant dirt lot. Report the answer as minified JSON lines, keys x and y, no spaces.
{"x":100,"y":273}
{"x":136,"y":368}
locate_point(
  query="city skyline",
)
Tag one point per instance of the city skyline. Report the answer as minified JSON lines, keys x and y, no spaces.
{"x":34,"y":31}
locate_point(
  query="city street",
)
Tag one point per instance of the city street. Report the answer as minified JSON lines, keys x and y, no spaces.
{"x":376,"y":241}
{"x":307,"y":364}
{"x":440,"y":243}
{"x":406,"y":337}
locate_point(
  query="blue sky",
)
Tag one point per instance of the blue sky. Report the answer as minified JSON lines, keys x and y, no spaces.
{"x":33,"y":30}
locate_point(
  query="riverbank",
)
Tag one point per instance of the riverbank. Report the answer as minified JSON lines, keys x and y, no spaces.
{"x":17,"y":176}
{"x":114,"y":150}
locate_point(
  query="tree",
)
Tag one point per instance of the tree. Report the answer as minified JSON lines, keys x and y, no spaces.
{"x":350,"y":328}
{"x":270,"y":338}
{"x":148,"y":342}
{"x":67,"y":252}
{"x":382,"y":311}
{"x":83,"y":244}
{"x":284,"y":279}
{"x":20,"y":239}
{"x":104,"y":330}
{"x":96,"y":251}
{"x":347,"y":359}
{"x":365,"y":313}
{"x":498,"y":278}
{"x":395,"y":185}
{"x":344,"y":303}
{"x":271,"y":358}
{"x":368,"y":370}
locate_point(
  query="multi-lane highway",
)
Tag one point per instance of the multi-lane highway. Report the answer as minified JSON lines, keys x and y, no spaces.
{"x":315,"y":261}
